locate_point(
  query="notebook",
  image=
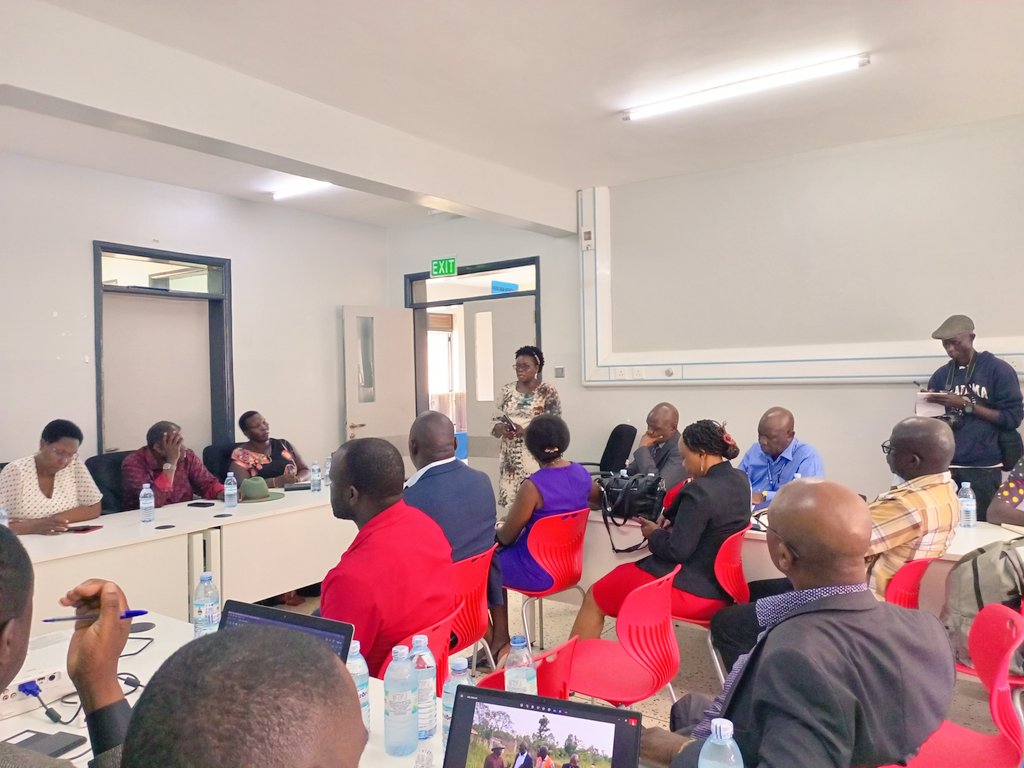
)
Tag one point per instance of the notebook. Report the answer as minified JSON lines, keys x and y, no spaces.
{"x":483,"y":718}
{"x":337,"y":634}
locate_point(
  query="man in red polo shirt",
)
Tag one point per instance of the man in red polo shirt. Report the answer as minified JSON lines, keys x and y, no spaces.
{"x":396,"y":578}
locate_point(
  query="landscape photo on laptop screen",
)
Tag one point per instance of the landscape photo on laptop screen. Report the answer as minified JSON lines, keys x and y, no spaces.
{"x":562,"y":735}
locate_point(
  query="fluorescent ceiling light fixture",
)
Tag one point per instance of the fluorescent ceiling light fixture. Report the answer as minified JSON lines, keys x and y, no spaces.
{"x":301,"y":187}
{"x":753,"y":85}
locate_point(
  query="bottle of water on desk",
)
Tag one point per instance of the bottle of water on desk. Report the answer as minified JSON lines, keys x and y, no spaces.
{"x":327,"y":472}
{"x":205,"y":606}
{"x":316,"y":481}
{"x":230,"y":491}
{"x":520,"y":674}
{"x":968,"y":506}
{"x":458,"y":676}
{"x":401,"y":719}
{"x":720,"y":751}
{"x":426,"y":674}
{"x":5,"y":519}
{"x":360,"y":672}
{"x":147,"y":505}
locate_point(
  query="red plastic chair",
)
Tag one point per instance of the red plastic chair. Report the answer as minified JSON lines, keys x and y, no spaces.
{"x":904,"y":588}
{"x":645,"y":657}
{"x":471,"y":622}
{"x":439,"y":637}
{"x":729,"y":572}
{"x":554,"y":667}
{"x":556,"y":543}
{"x":995,"y":635}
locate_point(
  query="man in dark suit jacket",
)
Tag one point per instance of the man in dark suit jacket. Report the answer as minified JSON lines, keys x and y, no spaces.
{"x":459,"y":499}
{"x":658,"y":452}
{"x":837,"y":679}
{"x":522,"y":758}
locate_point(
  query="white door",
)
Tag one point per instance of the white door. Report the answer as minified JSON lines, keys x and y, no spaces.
{"x":380,"y":385}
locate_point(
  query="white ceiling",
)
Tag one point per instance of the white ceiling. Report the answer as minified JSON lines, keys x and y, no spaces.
{"x":538,"y":85}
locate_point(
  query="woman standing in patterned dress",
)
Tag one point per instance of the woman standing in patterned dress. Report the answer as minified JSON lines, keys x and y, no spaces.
{"x":521,"y":400}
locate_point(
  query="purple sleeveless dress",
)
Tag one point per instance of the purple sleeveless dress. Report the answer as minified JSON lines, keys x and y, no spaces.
{"x":563,"y":489}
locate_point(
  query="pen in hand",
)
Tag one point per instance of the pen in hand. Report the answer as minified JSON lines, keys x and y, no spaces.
{"x":95,"y":616}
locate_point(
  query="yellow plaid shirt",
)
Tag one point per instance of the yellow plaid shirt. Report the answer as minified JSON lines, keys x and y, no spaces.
{"x":913,"y":520}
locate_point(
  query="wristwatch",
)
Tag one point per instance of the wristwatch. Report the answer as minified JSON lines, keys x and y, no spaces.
{"x":167,"y":466}
{"x":969,"y":405}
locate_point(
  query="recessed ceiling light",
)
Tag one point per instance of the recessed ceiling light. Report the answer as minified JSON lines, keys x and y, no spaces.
{"x":301,"y":187}
{"x":751,"y":85}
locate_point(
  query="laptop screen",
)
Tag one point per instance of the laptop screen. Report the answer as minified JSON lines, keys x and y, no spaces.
{"x":484,"y":719}
{"x":337,"y":634}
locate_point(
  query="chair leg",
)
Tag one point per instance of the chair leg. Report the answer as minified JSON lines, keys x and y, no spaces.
{"x":527,"y":605}
{"x":672,"y":693}
{"x":1018,"y":703}
{"x":716,"y":660}
{"x":540,"y":621}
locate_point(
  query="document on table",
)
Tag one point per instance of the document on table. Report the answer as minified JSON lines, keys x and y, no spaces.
{"x":923,"y":408}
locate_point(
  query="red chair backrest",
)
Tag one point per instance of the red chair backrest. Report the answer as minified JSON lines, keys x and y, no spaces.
{"x":553,"y":669}
{"x":439,"y":637}
{"x":995,"y":635}
{"x":556,"y":543}
{"x":471,"y":622}
{"x":904,"y":588}
{"x":729,"y":567}
{"x":644,"y":628}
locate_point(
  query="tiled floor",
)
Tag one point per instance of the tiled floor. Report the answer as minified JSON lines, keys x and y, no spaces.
{"x":969,"y":706}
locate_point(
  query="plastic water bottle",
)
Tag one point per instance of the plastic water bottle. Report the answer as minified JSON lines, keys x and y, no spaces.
{"x":205,"y":606}
{"x":5,"y":519}
{"x":458,"y":676}
{"x":426,"y":674}
{"x":968,"y":506}
{"x":316,"y":481}
{"x":327,"y":472}
{"x":230,"y":491}
{"x":401,"y":720}
{"x":147,"y":505}
{"x":520,"y":674}
{"x":360,"y":672}
{"x":720,"y":750}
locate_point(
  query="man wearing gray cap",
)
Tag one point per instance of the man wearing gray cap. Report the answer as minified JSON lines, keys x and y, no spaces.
{"x":982,"y":397}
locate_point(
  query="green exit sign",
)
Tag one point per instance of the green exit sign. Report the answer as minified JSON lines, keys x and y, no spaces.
{"x":442,"y":267}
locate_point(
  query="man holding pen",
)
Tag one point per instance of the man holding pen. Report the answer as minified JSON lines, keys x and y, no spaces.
{"x":92,"y":654}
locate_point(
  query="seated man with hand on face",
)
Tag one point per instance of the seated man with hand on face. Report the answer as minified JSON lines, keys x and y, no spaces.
{"x":778,"y":456}
{"x":92,"y":655}
{"x":658,"y":452}
{"x":837,"y":679}
{"x":173,"y":471}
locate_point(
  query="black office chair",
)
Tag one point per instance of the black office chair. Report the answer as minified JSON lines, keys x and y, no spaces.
{"x":616,"y":451}
{"x":217,"y":459}
{"x":106,"y":473}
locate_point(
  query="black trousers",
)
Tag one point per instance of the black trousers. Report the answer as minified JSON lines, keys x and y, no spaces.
{"x":734,"y":630}
{"x":984,"y":483}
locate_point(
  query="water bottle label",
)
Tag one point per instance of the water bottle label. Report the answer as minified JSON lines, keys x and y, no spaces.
{"x":521,"y":680}
{"x":427,"y":706}
{"x":399,"y":703}
{"x":206,"y":613}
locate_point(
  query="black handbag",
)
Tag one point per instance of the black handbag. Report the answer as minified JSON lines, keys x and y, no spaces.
{"x":626,"y":497}
{"x":1011,"y":448}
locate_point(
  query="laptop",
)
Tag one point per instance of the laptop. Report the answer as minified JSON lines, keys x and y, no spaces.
{"x":482,"y":718}
{"x":337,"y":634}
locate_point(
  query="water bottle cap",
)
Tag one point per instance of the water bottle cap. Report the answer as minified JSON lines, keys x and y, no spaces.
{"x":231,"y":474}
{"x":518,"y":641}
{"x":623,"y":473}
{"x":721,"y":728}
{"x":460,"y":664}
{"x":419,"y":641}
{"x":964,"y":485}
{"x":353,"y":647}
{"x":400,"y":652}
{"x":145,"y":486}
{"x":206,"y":576}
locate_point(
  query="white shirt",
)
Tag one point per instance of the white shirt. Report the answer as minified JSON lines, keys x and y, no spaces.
{"x":415,"y":478}
{"x":20,"y":494}
{"x":520,"y":759}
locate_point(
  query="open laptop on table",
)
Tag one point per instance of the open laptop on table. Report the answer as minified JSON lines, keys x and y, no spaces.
{"x":482,"y":718}
{"x":337,"y":634}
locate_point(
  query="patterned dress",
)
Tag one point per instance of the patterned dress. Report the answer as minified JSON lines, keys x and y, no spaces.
{"x":515,"y":463}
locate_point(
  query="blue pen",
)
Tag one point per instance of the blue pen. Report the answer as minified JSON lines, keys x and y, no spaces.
{"x":95,"y":616}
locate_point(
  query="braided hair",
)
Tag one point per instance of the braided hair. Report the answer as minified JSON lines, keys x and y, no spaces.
{"x":707,"y":436}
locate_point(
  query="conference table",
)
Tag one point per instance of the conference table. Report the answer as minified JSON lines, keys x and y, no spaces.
{"x":255,"y":551}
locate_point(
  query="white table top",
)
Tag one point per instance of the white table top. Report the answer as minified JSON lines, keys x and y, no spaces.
{"x":123,"y":528}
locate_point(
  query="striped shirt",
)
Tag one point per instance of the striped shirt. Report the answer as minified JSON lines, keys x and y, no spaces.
{"x":914,"y":520}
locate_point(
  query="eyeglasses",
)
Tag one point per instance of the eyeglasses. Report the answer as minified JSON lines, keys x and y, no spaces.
{"x":63,"y":455}
{"x":887,"y":447}
{"x":522,"y":366}
{"x":761,"y":521}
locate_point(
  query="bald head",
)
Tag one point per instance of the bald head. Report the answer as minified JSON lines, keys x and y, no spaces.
{"x":819,"y":533}
{"x":920,"y":446}
{"x":431,"y":438}
{"x":775,"y":431}
{"x":662,"y":423}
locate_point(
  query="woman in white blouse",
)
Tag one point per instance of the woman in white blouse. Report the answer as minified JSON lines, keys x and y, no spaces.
{"x":46,"y":492}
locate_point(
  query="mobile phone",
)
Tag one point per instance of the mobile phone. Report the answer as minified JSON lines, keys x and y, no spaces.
{"x":83,"y":528}
{"x":200,"y":503}
{"x":508,"y":422}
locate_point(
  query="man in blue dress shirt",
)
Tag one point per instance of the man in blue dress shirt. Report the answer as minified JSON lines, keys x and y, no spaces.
{"x":778,"y":456}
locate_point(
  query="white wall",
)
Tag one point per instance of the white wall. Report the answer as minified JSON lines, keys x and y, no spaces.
{"x":290,"y":271}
